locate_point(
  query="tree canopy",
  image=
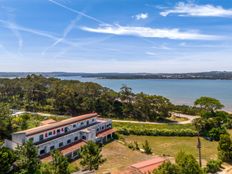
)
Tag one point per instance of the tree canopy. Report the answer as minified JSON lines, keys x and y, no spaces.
{"x":225,"y":148}
{"x":188,"y":164}
{"x":5,"y":121}
{"x":208,"y":103}
{"x":59,"y":164}
{"x":37,"y":93}
{"x":91,"y":156}
{"x":7,"y":158}
{"x":27,"y":161}
{"x":185,"y":164}
{"x":167,"y":168}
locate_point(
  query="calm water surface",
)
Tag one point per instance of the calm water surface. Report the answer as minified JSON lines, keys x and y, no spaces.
{"x":178,"y":91}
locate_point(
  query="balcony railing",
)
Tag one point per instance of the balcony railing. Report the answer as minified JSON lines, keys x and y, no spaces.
{"x":63,"y":134}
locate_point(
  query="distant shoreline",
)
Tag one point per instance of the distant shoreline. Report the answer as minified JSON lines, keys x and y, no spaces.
{"x":212,"y":75}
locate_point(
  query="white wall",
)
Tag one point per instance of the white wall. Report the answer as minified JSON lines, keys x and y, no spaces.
{"x":19,"y":138}
{"x":57,"y":141}
{"x":70,"y":128}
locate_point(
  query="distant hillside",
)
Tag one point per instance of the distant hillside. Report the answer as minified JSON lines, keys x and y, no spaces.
{"x":213,"y":75}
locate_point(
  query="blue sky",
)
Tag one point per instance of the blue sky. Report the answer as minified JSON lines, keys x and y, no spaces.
{"x":115,"y":35}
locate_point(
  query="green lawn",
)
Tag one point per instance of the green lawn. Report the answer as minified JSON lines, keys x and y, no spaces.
{"x":153,"y":126}
{"x":172,"y":145}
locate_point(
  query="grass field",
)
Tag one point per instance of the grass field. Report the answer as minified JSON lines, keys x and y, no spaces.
{"x":119,"y":157}
{"x":153,"y":126}
{"x":172,"y":145}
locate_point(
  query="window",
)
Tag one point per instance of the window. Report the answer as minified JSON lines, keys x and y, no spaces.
{"x":54,"y":132}
{"x":93,"y":120}
{"x":50,"y":133}
{"x":61,"y":144}
{"x":66,"y":129}
{"x":102,"y":127}
{"x":82,"y":123}
{"x":46,"y":134}
{"x":76,"y":138}
{"x":109,"y":125}
{"x":42,"y":151}
{"x":58,"y":131}
{"x":74,"y":125}
{"x":41,"y":137}
{"x":31,"y":139}
{"x":68,"y":141}
{"x":52,"y":148}
{"x":88,"y":122}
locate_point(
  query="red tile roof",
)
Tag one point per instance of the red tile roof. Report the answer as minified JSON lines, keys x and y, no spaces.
{"x":149,"y":165}
{"x":57,"y":124}
{"x":49,"y":121}
{"x":65,"y":150}
{"x":105,"y":133}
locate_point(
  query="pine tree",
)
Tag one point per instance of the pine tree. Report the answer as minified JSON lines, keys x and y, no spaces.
{"x":59,"y":164}
{"x":91,"y":156}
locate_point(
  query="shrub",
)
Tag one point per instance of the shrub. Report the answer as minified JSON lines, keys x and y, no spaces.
{"x":147,"y":148}
{"x":225,"y":148}
{"x":214,"y":133}
{"x":136,"y":145}
{"x":157,"y":132}
{"x":116,"y":136}
{"x":167,"y":168}
{"x":130,"y":146}
{"x":188,"y":164}
{"x":213,"y":166}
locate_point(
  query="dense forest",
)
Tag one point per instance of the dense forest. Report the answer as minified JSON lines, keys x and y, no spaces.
{"x":38,"y":93}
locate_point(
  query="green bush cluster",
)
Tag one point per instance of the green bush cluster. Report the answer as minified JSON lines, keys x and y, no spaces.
{"x":133,"y":146}
{"x":158,"y":132}
{"x":213,"y":166}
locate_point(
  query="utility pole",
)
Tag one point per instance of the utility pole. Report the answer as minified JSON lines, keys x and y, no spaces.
{"x":199,"y":149}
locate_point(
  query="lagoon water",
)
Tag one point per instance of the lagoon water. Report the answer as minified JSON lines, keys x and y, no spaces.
{"x":178,"y":91}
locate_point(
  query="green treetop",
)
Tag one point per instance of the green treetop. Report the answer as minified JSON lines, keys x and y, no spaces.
{"x":91,"y":156}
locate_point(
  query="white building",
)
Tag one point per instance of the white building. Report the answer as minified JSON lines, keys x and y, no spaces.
{"x":68,"y":135}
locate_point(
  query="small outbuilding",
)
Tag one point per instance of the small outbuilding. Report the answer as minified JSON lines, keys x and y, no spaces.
{"x":145,"y":167}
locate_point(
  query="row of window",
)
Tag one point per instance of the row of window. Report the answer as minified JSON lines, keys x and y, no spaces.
{"x":58,"y":131}
{"x":103,"y":127}
{"x":61,"y":144}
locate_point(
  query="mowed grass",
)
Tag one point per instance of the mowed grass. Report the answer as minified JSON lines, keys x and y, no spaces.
{"x":153,"y":126}
{"x":119,"y":157}
{"x":170,"y":146}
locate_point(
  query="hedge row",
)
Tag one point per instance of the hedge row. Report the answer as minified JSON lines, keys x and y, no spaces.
{"x":158,"y":132}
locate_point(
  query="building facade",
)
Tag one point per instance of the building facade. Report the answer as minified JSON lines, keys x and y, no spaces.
{"x":68,"y":135}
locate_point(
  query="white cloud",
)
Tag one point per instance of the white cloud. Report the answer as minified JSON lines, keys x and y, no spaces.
{"x":151,"y":32}
{"x":150,"y":53}
{"x":141,"y":16}
{"x":191,"y":9}
{"x":162,"y":47}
